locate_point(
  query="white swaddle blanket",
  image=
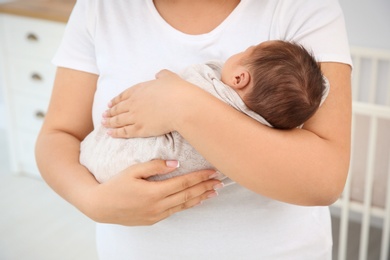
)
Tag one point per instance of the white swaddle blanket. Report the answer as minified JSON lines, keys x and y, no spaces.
{"x":105,"y":156}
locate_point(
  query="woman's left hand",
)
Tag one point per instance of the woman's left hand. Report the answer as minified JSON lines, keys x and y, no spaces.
{"x":146,"y":109}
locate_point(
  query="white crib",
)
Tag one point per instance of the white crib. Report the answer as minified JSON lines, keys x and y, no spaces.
{"x":366,"y":197}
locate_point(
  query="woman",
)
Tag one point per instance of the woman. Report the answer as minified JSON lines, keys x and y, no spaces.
{"x":111,"y":45}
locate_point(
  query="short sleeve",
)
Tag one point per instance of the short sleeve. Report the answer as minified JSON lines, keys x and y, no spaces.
{"x":77,"y":49}
{"x":317,"y":25}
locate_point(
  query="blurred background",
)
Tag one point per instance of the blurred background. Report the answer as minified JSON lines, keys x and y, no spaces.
{"x":60,"y":232}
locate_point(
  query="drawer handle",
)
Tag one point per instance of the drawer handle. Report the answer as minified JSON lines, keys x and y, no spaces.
{"x":36,"y":77}
{"x":32,"y":37}
{"x":40,"y":114}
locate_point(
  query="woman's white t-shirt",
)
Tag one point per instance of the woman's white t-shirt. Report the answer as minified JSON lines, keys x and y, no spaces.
{"x":126,"y":42}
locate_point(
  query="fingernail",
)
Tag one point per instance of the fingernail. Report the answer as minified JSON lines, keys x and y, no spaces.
{"x":218,"y":186}
{"x":212,"y":195}
{"x":198,"y":204}
{"x":172,"y":163}
{"x":104,"y":121}
{"x":214,"y":175}
{"x":104,"y":115}
{"x":109,"y":104}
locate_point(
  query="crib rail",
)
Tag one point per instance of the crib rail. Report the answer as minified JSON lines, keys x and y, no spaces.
{"x":367,"y":190}
{"x":371,"y":75}
{"x":376,"y":114}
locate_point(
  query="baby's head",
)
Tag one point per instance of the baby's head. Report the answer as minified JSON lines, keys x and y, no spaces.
{"x":279,"y":80}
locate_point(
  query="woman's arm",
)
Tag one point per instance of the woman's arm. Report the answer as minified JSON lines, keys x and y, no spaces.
{"x":127,"y":198}
{"x":303,"y":166}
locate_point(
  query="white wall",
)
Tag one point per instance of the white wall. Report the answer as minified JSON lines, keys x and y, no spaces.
{"x":1,"y":92}
{"x":368,"y":22}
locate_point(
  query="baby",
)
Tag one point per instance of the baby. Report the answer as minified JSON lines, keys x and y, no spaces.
{"x":277,"y":83}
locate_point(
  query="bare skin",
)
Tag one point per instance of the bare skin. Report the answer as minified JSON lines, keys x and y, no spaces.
{"x":195,"y":17}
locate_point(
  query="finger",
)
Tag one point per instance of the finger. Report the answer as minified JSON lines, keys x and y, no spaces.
{"x":181,"y":183}
{"x":120,"y":120}
{"x":116,"y":109}
{"x":122,"y":132}
{"x":121,"y":97}
{"x":151,"y":168}
{"x":126,"y":94}
{"x":128,"y":131}
{"x":189,"y":204}
{"x":198,"y":192}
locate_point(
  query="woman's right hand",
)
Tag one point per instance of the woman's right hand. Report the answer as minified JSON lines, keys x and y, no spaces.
{"x":129,"y":199}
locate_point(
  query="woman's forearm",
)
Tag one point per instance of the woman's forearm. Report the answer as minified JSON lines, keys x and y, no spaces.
{"x":67,"y":122}
{"x":301,"y":166}
{"x":57,"y":158}
{"x":292,"y":166}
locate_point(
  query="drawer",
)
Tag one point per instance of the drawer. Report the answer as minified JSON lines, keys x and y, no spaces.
{"x":31,"y":77}
{"x":26,"y":153}
{"x":31,"y":37}
{"x":29,"y":112}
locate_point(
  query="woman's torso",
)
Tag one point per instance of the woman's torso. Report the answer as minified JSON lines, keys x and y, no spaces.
{"x":132,"y":42}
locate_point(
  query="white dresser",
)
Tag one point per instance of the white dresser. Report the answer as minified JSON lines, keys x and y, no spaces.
{"x":27,"y":45}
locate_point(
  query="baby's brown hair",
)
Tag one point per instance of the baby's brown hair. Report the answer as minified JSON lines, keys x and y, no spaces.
{"x":287,"y":84}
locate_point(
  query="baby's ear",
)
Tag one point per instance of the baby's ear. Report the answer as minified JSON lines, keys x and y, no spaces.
{"x":241,"y":79}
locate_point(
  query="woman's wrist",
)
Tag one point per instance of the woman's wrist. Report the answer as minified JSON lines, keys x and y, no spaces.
{"x":192,"y":103}
{"x":86,"y":202}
